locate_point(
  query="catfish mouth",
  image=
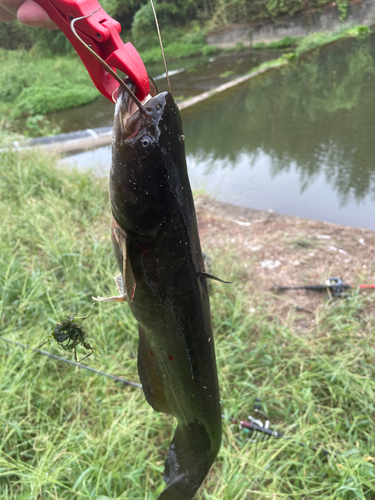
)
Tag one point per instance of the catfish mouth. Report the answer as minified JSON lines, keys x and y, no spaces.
{"x":130,"y":116}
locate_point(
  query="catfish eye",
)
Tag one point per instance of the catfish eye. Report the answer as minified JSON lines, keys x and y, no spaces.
{"x":146,"y":142}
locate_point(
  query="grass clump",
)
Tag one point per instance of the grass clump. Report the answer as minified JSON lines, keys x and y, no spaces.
{"x":46,"y":99}
{"x":70,"y":434}
{"x":31,"y":84}
{"x":284,"y":43}
{"x":309,"y":43}
{"x":315,"y":40}
{"x":177,"y":50}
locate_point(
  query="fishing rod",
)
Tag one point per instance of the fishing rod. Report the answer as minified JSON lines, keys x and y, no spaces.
{"x":334,"y":285}
{"x":256,"y":425}
{"x":252,"y":426}
{"x":113,"y":377}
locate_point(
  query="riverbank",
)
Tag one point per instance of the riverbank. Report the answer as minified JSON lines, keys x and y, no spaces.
{"x":282,"y":250}
{"x":50,"y":84}
{"x":310,"y":361}
{"x":326,"y":18}
{"x":93,"y":138}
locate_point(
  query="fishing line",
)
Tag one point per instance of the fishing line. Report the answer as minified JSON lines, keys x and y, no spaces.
{"x":118,"y":379}
{"x":103,"y":63}
{"x":161,"y":46}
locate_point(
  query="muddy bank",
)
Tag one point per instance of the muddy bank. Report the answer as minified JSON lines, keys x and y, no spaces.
{"x":299,"y":25}
{"x":273,"y":249}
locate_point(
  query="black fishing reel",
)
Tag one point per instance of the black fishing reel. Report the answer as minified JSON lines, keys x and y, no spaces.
{"x":335,"y":285}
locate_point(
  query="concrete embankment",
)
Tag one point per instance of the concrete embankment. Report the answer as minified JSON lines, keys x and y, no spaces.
{"x":299,"y":25}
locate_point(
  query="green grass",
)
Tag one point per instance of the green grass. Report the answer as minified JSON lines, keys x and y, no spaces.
{"x":315,"y":40}
{"x":32,"y":84}
{"x":66,"y":433}
{"x":310,"y":42}
{"x":177,"y":50}
{"x":284,"y":43}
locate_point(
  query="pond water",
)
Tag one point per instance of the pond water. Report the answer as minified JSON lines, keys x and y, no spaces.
{"x":298,"y":141}
{"x":189,"y":77}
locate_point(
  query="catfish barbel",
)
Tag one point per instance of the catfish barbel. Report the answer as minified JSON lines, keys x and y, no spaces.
{"x":156,"y":243}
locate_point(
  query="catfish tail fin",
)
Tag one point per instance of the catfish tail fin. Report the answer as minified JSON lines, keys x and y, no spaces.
{"x":191,"y":454}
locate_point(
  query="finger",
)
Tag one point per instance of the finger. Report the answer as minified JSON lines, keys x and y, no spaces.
{"x":33,"y":14}
{"x":6,"y":16}
{"x":11,"y":5}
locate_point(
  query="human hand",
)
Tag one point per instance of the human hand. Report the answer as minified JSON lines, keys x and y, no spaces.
{"x":27,"y":12}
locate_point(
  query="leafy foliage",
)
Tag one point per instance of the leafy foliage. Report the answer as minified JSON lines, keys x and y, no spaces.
{"x":137,"y":15}
{"x":314,"y":40}
{"x":46,"y":99}
{"x":15,"y":36}
{"x":343,"y":6}
{"x":39,"y":125}
{"x":284,"y":43}
{"x":30,"y":84}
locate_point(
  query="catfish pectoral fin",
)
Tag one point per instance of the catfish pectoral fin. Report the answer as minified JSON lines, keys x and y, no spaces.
{"x":120,"y":242}
{"x":116,"y":298}
{"x":119,"y":283}
{"x":149,"y":375}
{"x":191,"y":454}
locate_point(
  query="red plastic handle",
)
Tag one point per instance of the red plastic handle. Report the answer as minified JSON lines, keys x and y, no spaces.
{"x":101,"y":32}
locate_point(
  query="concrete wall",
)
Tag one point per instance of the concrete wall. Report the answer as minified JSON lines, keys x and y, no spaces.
{"x":301,"y":24}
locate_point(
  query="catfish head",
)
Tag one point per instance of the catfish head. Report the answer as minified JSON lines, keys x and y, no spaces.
{"x":147,"y":149}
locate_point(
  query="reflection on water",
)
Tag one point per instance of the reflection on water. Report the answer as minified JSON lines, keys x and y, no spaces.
{"x":188,"y":77}
{"x":300,"y":141}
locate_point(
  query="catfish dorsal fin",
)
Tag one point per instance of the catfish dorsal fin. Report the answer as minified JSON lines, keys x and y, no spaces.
{"x":212,"y":277}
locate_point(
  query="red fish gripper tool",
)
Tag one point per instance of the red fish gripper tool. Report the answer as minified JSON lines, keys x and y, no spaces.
{"x":101,"y":33}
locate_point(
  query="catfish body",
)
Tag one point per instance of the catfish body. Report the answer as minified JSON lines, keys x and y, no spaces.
{"x":156,"y":242}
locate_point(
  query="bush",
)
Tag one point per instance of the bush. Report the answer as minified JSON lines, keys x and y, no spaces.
{"x":46,"y":99}
{"x":15,"y":36}
{"x":284,"y":43}
{"x":35,"y":85}
{"x":359,"y":31}
{"x":143,"y":26}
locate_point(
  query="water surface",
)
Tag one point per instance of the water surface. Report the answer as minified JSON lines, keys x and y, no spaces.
{"x":189,"y":77}
{"x":299,"y":141}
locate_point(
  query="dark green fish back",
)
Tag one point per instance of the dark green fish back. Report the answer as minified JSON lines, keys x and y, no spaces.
{"x":153,"y":207}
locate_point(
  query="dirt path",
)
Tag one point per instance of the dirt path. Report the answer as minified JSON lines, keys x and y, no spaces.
{"x":274,"y":249}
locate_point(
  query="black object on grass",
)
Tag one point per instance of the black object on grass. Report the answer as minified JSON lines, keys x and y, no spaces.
{"x":333,"y":285}
{"x":256,"y":425}
{"x":69,"y":335}
{"x":113,"y":377}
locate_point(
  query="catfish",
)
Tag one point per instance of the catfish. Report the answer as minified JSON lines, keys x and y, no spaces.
{"x":163,"y":279}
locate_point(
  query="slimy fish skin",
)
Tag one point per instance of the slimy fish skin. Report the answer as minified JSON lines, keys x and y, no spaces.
{"x":156,"y":243}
